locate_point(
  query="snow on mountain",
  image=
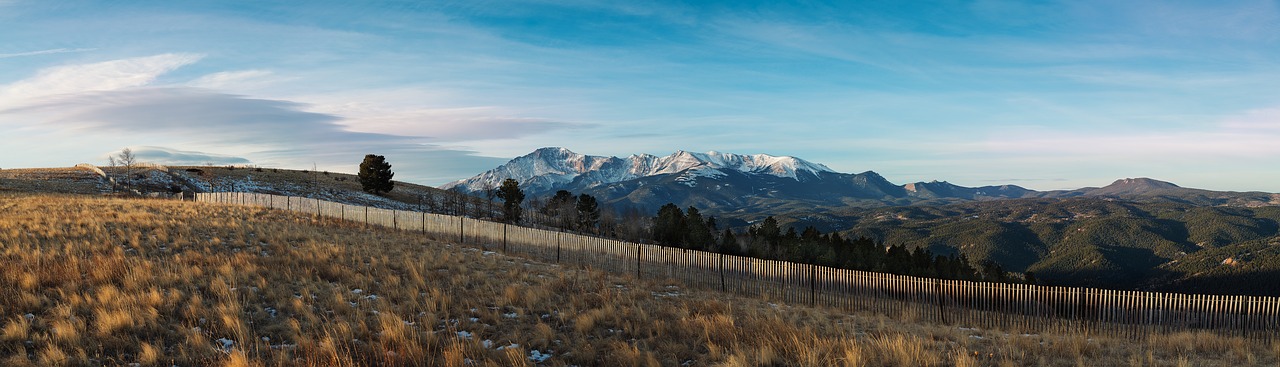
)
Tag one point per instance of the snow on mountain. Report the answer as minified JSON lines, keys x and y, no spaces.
{"x":546,"y":168}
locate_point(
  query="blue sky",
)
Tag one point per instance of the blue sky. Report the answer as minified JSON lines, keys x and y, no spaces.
{"x":1046,"y":95}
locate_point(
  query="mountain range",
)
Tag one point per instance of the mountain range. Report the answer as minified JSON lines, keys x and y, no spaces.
{"x":766,"y":184}
{"x":1136,"y":233}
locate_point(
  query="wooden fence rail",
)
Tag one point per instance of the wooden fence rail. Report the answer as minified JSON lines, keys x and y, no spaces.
{"x":1010,"y":307}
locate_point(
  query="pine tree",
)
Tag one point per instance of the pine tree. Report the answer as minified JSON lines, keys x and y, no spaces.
{"x":669,"y":226}
{"x":561,"y":209}
{"x":588,"y":213}
{"x":697,"y":235}
{"x":375,"y":175}
{"x":511,"y":196}
{"x":729,"y":243}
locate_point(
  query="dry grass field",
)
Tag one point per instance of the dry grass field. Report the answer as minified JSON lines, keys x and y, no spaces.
{"x":102,"y":281}
{"x":70,"y":180}
{"x":327,"y":185}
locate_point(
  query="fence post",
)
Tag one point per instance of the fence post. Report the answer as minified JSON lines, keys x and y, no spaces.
{"x":722,"y":272}
{"x":504,"y":238}
{"x":461,"y":237}
{"x":813,"y":285}
{"x":638,"y":261}
{"x":558,"y":236}
{"x":942,"y":313}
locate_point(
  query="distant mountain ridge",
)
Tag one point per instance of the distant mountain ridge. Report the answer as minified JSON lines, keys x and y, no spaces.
{"x":547,"y":168}
{"x":761,"y":183}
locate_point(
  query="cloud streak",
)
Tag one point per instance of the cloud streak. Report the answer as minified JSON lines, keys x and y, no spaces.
{"x":233,"y":79}
{"x":102,"y":76}
{"x":175,"y":157}
{"x":271,"y":132}
{"x":454,"y":124}
{"x":44,"y":52}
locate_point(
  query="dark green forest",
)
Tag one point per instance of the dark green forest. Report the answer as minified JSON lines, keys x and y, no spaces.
{"x":766,"y":240}
{"x":1097,"y":242}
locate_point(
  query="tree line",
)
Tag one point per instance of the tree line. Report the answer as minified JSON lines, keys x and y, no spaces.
{"x":766,"y":240}
{"x":690,"y":229}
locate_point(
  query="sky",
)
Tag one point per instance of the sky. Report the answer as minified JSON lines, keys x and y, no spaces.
{"x":1044,"y":94}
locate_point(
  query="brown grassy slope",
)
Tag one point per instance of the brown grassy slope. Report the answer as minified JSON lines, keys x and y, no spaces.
{"x":331,"y":186}
{"x":337,"y":186}
{"x":69,"y":180}
{"x":90,"y":281}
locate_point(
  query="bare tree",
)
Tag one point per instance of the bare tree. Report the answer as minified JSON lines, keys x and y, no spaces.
{"x":432,"y":204}
{"x":490,"y":193}
{"x":477,"y":208}
{"x":456,"y":201}
{"x":124,"y":158}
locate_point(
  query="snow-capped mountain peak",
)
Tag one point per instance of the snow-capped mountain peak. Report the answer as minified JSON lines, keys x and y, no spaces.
{"x":550,"y":167}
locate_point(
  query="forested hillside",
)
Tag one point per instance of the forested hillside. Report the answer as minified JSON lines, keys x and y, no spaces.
{"x":1091,"y":241}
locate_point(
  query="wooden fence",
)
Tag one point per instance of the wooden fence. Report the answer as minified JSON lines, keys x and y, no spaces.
{"x":1009,"y":307}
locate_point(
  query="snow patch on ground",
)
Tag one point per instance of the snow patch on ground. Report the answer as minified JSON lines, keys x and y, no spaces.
{"x":225,"y":344}
{"x":690,"y":177}
{"x":538,"y":356}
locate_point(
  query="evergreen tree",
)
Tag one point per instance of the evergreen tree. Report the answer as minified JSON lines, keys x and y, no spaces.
{"x":810,"y":234}
{"x":698,"y":236}
{"x":992,"y":272}
{"x":588,"y":213}
{"x":669,"y":226}
{"x":922,"y":262}
{"x":729,"y":243}
{"x":375,"y":175}
{"x":561,"y":209}
{"x":897,"y":260}
{"x":511,"y":196}
{"x":770,"y":231}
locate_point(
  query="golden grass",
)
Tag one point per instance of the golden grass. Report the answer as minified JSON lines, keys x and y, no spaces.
{"x":306,"y":181}
{"x":68,"y":180}
{"x":93,"y":281}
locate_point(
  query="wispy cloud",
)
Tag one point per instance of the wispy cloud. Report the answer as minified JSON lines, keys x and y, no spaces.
{"x":102,"y":76}
{"x":44,"y":52}
{"x":448,"y":124}
{"x":241,"y":79}
{"x":266,"y":131}
{"x":1262,"y":120}
{"x":175,"y":157}
{"x":1140,"y":147}
{"x":1254,"y":19}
